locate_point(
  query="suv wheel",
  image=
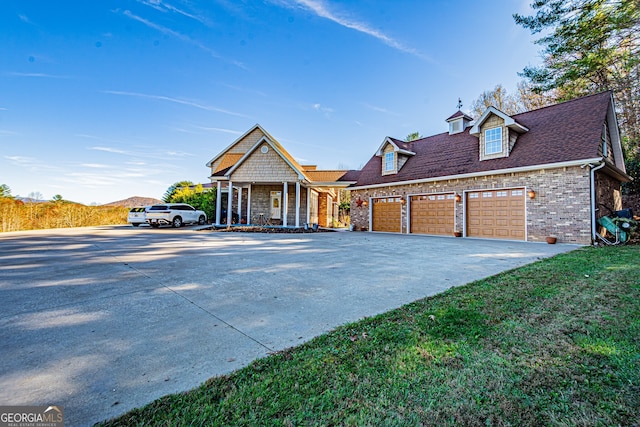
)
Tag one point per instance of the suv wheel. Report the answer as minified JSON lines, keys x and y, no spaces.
{"x":201,"y":220}
{"x":177,"y":222}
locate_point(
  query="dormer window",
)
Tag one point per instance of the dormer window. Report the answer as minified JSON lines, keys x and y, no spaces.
{"x":389,"y":161}
{"x":493,"y":141}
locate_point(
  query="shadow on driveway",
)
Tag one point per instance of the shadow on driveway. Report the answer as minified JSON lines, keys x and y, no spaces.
{"x":102,"y":320}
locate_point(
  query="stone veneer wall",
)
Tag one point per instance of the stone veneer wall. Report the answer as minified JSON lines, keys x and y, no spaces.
{"x":561,"y":205}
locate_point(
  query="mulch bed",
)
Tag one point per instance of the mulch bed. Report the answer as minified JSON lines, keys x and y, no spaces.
{"x":279,"y":230}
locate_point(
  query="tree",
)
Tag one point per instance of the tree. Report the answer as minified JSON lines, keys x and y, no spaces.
{"x":528,"y":99}
{"x":5,"y":191}
{"x":498,"y":98}
{"x":57,"y":198}
{"x":590,"y":46}
{"x":195,"y":195}
{"x":173,"y":188}
{"x":413,"y":136}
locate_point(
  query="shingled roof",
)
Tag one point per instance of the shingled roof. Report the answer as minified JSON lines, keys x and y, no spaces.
{"x":569,"y":131}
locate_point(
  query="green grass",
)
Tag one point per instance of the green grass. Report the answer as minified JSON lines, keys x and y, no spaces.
{"x":555,"y":343}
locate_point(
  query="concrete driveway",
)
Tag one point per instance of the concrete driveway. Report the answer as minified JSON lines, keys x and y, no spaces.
{"x":101,"y":320}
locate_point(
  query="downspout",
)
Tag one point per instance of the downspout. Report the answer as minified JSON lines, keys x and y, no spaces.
{"x":592,"y":175}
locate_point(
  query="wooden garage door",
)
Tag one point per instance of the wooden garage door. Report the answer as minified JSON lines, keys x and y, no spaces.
{"x":496,"y":214}
{"x":432,"y":214}
{"x":386,"y":214}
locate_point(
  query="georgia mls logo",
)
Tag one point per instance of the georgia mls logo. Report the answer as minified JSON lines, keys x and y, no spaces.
{"x":31,"y":416}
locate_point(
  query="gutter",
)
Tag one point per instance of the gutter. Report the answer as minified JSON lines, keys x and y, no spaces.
{"x":581,"y":163}
{"x":592,"y":176}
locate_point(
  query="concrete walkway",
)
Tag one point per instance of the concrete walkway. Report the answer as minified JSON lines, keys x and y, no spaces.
{"x":102,"y":320}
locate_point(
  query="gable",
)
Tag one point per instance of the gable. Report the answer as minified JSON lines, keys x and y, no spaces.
{"x":226,"y":161}
{"x":263,"y":164}
{"x":239,"y":146}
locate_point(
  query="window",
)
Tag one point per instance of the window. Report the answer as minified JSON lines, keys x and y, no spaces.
{"x":605,"y":139}
{"x":493,"y":141}
{"x":389,"y":162}
{"x":455,"y":127}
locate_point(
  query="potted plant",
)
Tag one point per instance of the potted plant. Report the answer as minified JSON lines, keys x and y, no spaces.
{"x":457,"y":233}
{"x":552,"y":239}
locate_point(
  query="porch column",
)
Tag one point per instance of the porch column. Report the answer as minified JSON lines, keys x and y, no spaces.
{"x":229,"y":200}
{"x":297,"y":203}
{"x":285,"y":201}
{"x":249,"y":204}
{"x":239,"y":205}
{"x":308,"y":205}
{"x":218,"y":201}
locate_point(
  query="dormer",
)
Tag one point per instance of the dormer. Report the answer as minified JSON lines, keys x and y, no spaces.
{"x":394,"y":154}
{"x":458,"y":122}
{"x":497,"y":133}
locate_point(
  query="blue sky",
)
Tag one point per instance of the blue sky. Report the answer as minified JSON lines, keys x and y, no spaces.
{"x":103,"y":100}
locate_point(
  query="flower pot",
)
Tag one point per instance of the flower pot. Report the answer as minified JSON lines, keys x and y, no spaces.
{"x":457,"y":233}
{"x":552,"y":240}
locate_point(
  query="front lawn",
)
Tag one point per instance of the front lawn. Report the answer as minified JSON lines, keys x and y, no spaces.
{"x":553,"y":343}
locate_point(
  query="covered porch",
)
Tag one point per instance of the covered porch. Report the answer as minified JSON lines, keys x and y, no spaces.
{"x":278,"y":204}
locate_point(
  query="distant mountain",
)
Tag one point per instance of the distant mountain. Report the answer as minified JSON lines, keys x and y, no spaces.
{"x":134,"y":201}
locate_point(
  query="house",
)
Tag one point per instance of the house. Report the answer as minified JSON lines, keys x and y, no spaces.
{"x":259,"y":182}
{"x":550,"y":171}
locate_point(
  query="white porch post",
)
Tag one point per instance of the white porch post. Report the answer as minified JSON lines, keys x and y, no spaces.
{"x":285,"y":202}
{"x":249,"y":204}
{"x":239,"y":204}
{"x":229,"y":200}
{"x":297,"y":203}
{"x":308,"y":205}
{"x":218,"y":201}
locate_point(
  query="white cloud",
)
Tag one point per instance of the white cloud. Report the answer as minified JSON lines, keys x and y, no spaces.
{"x":94,"y":165}
{"x":325,"y":110}
{"x":40,"y":75}
{"x":380,"y":109}
{"x":24,"y":18}
{"x":183,"y":37}
{"x":166,"y":7}
{"x":321,"y":9}
{"x":108,"y":150}
{"x":174,"y":100}
{"x":21,"y":160}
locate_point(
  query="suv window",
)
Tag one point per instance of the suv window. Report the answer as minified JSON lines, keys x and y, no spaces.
{"x":158,"y":208}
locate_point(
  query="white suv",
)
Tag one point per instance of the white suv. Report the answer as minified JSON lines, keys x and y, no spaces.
{"x":137,"y":216}
{"x":174,"y":214}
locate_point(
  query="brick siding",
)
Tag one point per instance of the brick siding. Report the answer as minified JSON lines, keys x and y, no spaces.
{"x":561,"y":205}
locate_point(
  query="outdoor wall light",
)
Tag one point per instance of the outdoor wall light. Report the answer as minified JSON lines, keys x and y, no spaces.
{"x":531,"y":194}
{"x":458,"y":198}
{"x":403,"y":201}
{"x":365,"y":203}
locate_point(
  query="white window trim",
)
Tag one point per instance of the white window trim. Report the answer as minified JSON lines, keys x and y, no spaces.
{"x":486,"y":141}
{"x":389,"y":160}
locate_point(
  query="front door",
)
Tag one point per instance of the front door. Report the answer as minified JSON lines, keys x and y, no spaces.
{"x":276,"y":204}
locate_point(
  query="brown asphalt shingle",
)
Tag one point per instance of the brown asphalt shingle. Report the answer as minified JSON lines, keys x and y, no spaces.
{"x":558,"y":133}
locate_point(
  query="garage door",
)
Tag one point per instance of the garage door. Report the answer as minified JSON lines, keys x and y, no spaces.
{"x":496,"y":214}
{"x":387,"y":214}
{"x":432,"y":214}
